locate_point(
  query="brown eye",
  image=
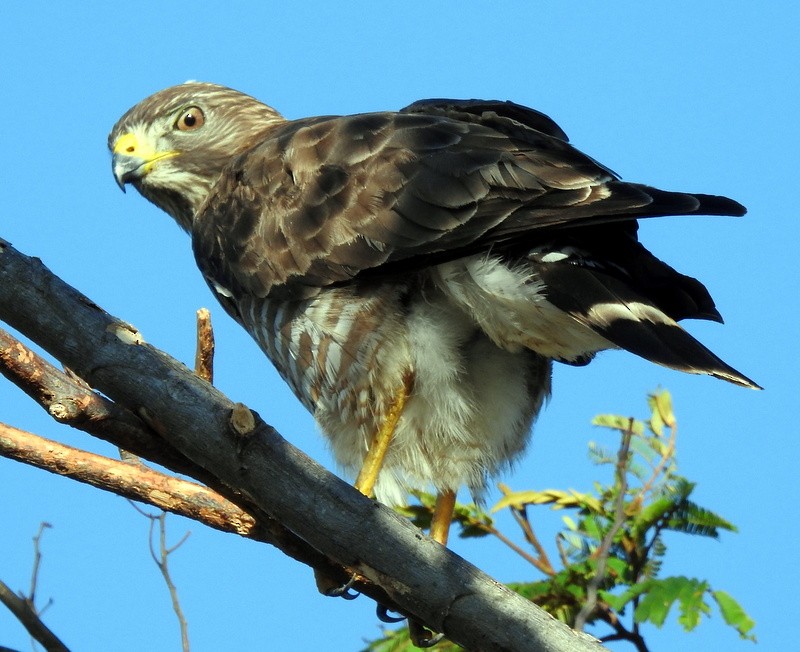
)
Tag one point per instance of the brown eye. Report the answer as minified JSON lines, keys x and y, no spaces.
{"x":190,"y":119}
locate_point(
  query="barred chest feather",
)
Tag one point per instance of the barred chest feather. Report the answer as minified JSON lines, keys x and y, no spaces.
{"x":347,"y":352}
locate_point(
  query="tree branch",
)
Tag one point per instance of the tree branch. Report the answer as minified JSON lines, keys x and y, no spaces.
{"x":27,"y":615}
{"x":162,"y":562}
{"x":204,"y":354}
{"x":520,"y":515}
{"x":129,"y":480}
{"x":24,"y":607}
{"x":331,"y":516}
{"x":602,"y":553}
{"x":71,"y":401}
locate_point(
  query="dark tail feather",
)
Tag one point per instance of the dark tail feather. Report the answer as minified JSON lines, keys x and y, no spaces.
{"x":682,"y":203}
{"x":670,"y":345}
{"x":631,"y":321}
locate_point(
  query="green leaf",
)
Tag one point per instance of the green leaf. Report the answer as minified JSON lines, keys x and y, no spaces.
{"x":619,"y":601}
{"x":658,"y":597}
{"x":734,"y":615}
{"x":556,"y":497}
{"x":616,"y":422}
{"x":654,"y":606}
{"x":617,"y":568}
{"x":519,"y":499}
{"x":638,"y":471}
{"x":661,"y":405}
{"x":656,"y":424}
{"x":646,"y":449}
{"x":417,"y":514}
{"x":472,"y":532}
{"x":650,"y":515}
{"x":692,"y":605}
{"x":393,"y":640}
{"x":600,"y":455}
{"x":656,"y":601}
{"x":398,"y":640}
{"x":574,"y":541}
{"x":690,"y":518}
{"x":673,"y":511}
{"x":473,"y":520}
{"x":532,"y":591}
{"x":611,"y":600}
{"x":592,"y":529}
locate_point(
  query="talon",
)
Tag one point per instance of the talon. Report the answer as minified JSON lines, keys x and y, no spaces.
{"x":331,"y":586}
{"x":421,"y":636}
{"x":344,"y":591}
{"x":382,"y":612}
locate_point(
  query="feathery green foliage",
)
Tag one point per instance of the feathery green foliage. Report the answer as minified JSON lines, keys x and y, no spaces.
{"x":611,"y":548}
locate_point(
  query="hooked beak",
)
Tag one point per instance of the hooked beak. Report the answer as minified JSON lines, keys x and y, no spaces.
{"x":127,"y":169}
{"x":132,"y":159}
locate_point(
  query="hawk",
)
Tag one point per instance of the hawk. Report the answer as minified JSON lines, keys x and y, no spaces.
{"x":413,"y":275}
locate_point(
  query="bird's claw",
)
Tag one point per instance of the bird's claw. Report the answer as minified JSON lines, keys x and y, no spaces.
{"x":382,"y":612}
{"x":344,"y":591}
{"x":421,"y":636}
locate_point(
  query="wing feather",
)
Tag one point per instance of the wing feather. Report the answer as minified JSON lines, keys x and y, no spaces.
{"x":323,"y":200}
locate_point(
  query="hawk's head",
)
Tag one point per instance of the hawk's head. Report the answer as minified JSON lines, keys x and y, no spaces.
{"x":173,"y":145}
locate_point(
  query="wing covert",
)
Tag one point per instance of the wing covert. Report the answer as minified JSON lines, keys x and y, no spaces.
{"x":320,"y":200}
{"x":323,"y":200}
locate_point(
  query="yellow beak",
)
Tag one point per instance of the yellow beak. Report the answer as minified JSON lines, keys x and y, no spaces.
{"x":133,"y":158}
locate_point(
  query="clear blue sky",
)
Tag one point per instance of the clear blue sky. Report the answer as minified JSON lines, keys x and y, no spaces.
{"x":694,"y":96}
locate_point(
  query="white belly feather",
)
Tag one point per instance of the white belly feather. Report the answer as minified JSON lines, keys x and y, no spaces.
{"x":474,"y":395}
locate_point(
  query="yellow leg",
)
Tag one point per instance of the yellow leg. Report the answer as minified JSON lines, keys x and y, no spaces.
{"x":373,"y":462}
{"x":420,"y":635}
{"x":442,"y":516}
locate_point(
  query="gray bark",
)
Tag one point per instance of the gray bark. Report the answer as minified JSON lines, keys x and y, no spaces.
{"x":260,"y":468}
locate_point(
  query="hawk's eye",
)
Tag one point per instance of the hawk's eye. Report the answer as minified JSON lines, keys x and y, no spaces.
{"x":190,"y":119}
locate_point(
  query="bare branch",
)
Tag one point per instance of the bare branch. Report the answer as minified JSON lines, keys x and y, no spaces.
{"x":91,"y":412}
{"x":204,"y":356}
{"x":129,"y":480}
{"x":542,"y":565}
{"x":37,"y":563}
{"x":24,"y":607}
{"x":277,"y":479}
{"x":27,"y":615}
{"x":162,"y":562}
{"x":70,"y":401}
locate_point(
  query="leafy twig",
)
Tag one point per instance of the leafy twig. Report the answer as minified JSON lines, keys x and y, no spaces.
{"x":667,"y":454}
{"x":543,"y":561}
{"x":602,"y":552}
